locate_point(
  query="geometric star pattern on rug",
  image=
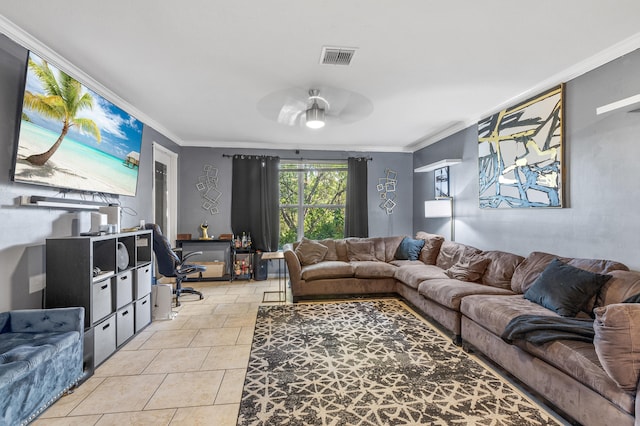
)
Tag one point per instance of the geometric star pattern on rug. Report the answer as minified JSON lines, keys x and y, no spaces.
{"x":370,"y":363}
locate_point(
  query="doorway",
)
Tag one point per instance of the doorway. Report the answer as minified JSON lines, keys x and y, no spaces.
{"x":165,"y":190}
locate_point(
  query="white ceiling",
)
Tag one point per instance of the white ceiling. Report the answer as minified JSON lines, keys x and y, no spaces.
{"x":195,"y":70}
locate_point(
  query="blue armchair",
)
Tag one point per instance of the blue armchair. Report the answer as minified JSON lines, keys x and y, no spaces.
{"x":40,"y":358}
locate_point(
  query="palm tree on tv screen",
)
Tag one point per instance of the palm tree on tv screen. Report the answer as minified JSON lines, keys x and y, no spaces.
{"x":62,"y":101}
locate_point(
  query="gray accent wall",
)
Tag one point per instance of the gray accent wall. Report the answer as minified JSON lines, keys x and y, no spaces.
{"x":602,"y":194}
{"x":192,"y":161}
{"x":23,"y":230}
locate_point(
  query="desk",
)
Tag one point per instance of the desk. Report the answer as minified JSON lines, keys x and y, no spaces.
{"x":217,"y":255}
{"x":282,"y":284}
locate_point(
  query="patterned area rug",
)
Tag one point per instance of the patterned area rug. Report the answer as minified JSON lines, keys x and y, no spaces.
{"x":370,"y":363}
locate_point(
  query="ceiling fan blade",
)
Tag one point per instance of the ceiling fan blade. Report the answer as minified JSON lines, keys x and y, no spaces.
{"x":287,"y":106}
{"x":284,"y":106}
{"x":289,"y":115}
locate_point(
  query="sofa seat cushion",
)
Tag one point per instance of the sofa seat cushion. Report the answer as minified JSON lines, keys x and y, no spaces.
{"x":369,"y":269}
{"x":58,"y":341}
{"x":413,"y":274}
{"x":406,"y":262}
{"x":580,"y":361}
{"x":327,"y":270}
{"x":12,"y":371}
{"x":449,"y":292}
{"x":494,"y":312}
{"x":22,"y":352}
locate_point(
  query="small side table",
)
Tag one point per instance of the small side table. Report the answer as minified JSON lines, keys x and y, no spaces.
{"x":282,"y":276}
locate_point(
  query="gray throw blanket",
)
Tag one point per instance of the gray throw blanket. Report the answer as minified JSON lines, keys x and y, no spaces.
{"x":539,"y":329}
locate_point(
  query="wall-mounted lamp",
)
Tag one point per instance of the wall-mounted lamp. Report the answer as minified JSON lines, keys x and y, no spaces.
{"x":440,"y":208}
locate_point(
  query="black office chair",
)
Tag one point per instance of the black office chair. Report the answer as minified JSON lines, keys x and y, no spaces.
{"x":170,"y":265}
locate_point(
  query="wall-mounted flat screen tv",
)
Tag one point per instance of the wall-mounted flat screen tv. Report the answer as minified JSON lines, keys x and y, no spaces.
{"x":70,"y":137}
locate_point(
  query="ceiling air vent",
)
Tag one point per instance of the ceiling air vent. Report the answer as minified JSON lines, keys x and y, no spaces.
{"x":337,"y":55}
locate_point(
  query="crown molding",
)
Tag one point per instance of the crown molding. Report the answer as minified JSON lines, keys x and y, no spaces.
{"x":294,"y":146}
{"x":31,"y":43}
{"x":614,"y":52}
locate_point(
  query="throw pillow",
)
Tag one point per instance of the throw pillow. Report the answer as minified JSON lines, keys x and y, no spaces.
{"x":360,"y":250}
{"x":409,"y":249}
{"x":310,"y":252}
{"x":468,"y":269}
{"x":617,"y":337}
{"x":565,"y":289}
{"x":432,"y":244}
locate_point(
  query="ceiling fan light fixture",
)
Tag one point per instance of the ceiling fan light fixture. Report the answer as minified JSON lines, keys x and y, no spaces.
{"x":315,"y":117}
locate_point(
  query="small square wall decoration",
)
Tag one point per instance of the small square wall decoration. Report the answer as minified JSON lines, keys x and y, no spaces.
{"x":520,"y":154}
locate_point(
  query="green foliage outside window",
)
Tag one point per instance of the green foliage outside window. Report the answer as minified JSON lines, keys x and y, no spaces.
{"x":312,"y":201}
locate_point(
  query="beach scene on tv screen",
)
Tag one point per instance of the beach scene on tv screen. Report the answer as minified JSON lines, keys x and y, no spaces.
{"x":71,"y":137}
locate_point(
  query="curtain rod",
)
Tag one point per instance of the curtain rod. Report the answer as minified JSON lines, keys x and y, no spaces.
{"x":298,"y":158}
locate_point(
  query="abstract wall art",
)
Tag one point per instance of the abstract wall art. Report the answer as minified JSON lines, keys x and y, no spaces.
{"x":387,"y":189}
{"x":207,"y":185}
{"x":441,"y":178}
{"x":520,"y":154}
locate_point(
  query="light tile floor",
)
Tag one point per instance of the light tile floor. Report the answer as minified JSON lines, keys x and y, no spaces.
{"x":185,"y":371}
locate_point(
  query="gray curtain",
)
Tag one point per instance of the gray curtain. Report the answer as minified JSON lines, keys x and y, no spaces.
{"x":255,"y":198}
{"x":356,"y":221}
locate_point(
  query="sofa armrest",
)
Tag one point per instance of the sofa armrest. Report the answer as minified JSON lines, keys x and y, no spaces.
{"x":47,"y":320}
{"x":293,"y":264}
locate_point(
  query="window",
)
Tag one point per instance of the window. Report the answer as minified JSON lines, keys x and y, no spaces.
{"x":312,"y":200}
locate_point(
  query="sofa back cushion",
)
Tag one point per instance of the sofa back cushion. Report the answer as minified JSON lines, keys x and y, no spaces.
{"x":452,"y":253}
{"x":470,"y":268}
{"x":360,"y":249}
{"x":533,"y":265}
{"x":431,"y":248}
{"x":378,"y":247}
{"x":391,"y":244}
{"x":331,"y":253}
{"x":4,"y":322}
{"x":341,"y":250}
{"x":621,"y":286}
{"x":500,"y":269}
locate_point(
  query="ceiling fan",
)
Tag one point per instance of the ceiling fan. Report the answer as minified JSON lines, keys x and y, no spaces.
{"x":315,"y":107}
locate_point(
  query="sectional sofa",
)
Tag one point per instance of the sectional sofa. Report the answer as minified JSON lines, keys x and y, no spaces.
{"x":558,"y":324}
